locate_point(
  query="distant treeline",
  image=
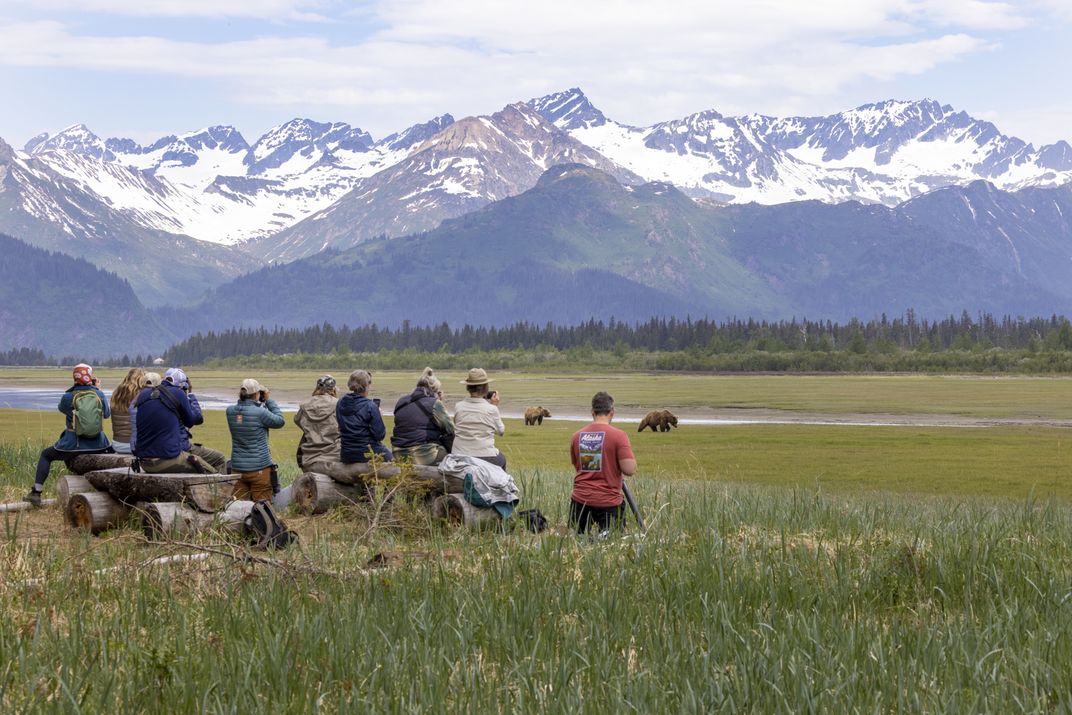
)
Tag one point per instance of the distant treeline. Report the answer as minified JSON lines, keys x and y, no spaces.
{"x":24,"y":356}
{"x":656,"y":335}
{"x":902,"y":344}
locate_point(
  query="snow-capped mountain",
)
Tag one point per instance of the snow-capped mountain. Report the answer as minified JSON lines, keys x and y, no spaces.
{"x":469,"y":164}
{"x":212,"y":185}
{"x":46,"y":208}
{"x":307,"y":185}
{"x":884,"y":153}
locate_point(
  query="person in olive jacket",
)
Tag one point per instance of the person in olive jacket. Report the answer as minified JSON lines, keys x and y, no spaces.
{"x":361,"y":427}
{"x":320,"y":430}
{"x":251,"y":459}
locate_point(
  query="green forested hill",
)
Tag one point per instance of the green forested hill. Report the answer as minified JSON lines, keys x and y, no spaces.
{"x":67,"y":306}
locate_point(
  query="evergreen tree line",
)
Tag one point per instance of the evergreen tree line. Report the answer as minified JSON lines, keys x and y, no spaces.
{"x":878,"y":336}
{"x":23,"y":356}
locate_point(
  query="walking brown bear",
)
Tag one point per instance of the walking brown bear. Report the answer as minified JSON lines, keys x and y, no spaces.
{"x":659,"y":421}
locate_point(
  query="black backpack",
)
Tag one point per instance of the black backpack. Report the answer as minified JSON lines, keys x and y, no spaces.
{"x":266,"y":529}
{"x":533,"y":520}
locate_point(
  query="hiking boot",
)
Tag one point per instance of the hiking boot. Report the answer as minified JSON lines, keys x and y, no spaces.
{"x":33,"y":498}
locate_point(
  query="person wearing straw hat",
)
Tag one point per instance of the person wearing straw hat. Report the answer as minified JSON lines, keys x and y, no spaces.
{"x":477,"y":420}
{"x":249,"y":421}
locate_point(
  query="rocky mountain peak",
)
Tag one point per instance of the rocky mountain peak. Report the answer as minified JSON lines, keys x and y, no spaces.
{"x":76,"y":138}
{"x":416,"y":134}
{"x":568,"y":110}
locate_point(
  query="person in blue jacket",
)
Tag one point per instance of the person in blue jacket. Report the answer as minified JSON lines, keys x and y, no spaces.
{"x":86,"y":408}
{"x":161,"y":416}
{"x":361,"y":426}
{"x":251,"y":460}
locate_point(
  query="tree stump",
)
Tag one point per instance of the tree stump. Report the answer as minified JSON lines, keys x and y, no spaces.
{"x":70,"y":485}
{"x":85,"y":463}
{"x":316,"y":493}
{"x":95,"y":512}
{"x":164,"y":519}
{"x":206,"y":492}
{"x":457,"y":512}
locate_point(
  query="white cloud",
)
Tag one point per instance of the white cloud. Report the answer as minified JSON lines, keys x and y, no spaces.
{"x":273,"y":10}
{"x":641,"y":62}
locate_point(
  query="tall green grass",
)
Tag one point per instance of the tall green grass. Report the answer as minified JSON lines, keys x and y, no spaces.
{"x":740,"y":599}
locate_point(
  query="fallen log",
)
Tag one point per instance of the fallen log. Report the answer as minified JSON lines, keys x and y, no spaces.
{"x":205,"y":492}
{"x":70,"y":485}
{"x":95,"y":512}
{"x":457,"y":512}
{"x":23,"y":505}
{"x":85,"y":463}
{"x":168,"y":519}
{"x":429,"y":478}
{"x":316,"y":493}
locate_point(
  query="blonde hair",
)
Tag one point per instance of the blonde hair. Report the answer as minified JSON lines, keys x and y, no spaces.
{"x":127,"y":390}
{"x":430,"y":382}
{"x":359,"y":381}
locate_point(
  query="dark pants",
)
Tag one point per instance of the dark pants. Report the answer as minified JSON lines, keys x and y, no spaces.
{"x":50,"y":455}
{"x":379,"y":449}
{"x":581,"y":516}
{"x":499,"y":460}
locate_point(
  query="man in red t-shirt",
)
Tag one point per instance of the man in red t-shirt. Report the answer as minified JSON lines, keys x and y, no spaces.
{"x":601,"y":454}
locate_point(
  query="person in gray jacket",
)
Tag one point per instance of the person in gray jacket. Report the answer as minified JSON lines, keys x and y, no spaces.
{"x":251,"y":459}
{"x":320,"y":430}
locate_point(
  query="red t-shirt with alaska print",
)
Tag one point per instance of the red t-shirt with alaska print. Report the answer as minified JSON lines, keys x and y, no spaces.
{"x":595,"y":452}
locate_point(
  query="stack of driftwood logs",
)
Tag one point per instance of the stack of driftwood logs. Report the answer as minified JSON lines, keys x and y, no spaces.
{"x":102,"y":492}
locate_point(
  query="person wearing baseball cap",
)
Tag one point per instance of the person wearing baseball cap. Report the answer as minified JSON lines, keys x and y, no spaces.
{"x":320,"y":429}
{"x":85,"y":408}
{"x":176,"y":376}
{"x":477,"y":420}
{"x":251,"y":459}
{"x":161,"y":417}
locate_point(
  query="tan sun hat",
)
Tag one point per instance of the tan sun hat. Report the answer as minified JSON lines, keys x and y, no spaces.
{"x":477,"y":376}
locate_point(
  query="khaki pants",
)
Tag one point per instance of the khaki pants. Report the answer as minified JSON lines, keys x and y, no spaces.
{"x":185,"y":463}
{"x":253,"y":486}
{"x":215,"y":458}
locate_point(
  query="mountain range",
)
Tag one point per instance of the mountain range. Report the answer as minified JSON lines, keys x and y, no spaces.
{"x":580,"y":244}
{"x":733,"y":206}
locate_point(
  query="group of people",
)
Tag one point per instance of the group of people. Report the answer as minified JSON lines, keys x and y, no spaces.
{"x":153,"y":415}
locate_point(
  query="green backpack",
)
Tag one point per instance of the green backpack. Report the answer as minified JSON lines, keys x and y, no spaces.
{"x":87,"y":413}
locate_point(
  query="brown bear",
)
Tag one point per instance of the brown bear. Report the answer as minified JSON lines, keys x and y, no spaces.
{"x":535,"y":415}
{"x":659,"y":421}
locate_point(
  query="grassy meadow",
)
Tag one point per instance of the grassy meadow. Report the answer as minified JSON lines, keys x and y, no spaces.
{"x":788,"y":568}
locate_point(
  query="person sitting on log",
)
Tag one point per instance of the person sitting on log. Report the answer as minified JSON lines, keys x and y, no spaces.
{"x":217,"y":459}
{"x":423,"y":432}
{"x":249,"y":421}
{"x":85,"y":408}
{"x":160,"y":419}
{"x":320,"y":429}
{"x":477,"y":421}
{"x":120,"y":401}
{"x":361,"y":427}
{"x":601,"y":454}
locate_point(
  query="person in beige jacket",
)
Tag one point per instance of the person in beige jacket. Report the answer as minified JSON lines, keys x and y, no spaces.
{"x":320,"y":430}
{"x":477,"y":421}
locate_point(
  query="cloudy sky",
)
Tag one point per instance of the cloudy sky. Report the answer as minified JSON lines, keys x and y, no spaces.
{"x":144,"y":68}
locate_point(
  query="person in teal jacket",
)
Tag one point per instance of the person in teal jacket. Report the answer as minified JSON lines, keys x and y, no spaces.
{"x":251,"y":459}
{"x":74,"y":440}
